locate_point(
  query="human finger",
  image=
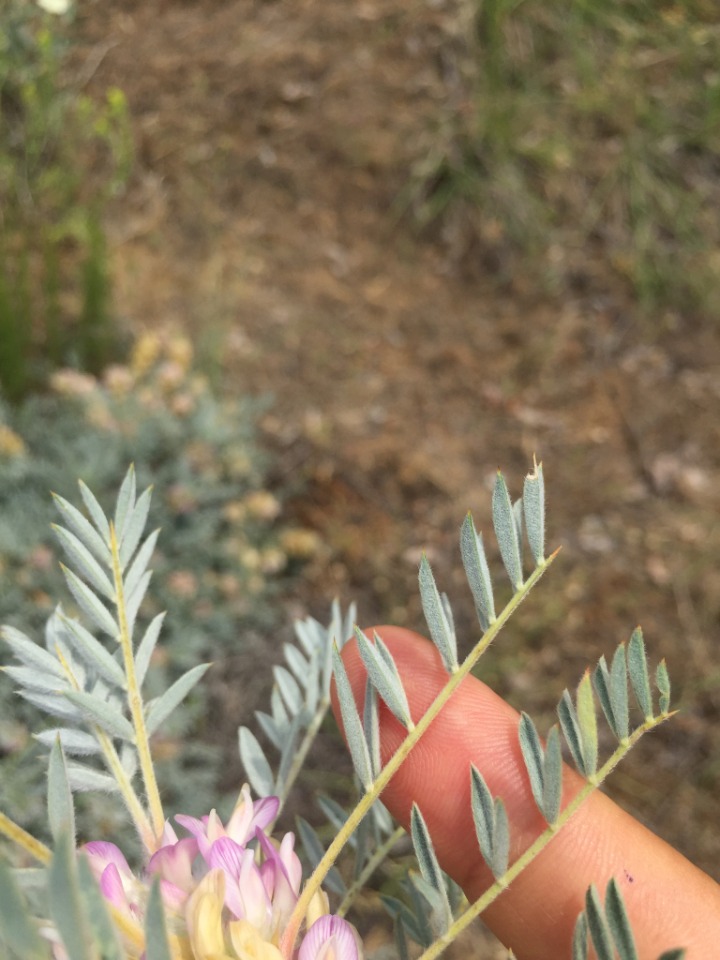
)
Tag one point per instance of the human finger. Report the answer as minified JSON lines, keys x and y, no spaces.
{"x":671,"y":903}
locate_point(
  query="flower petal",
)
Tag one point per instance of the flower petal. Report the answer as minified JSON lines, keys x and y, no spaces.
{"x":204,"y":915}
{"x":100,"y":853}
{"x":111,"y":887}
{"x":249,"y":816}
{"x":248,"y":944}
{"x":174,"y":863}
{"x":330,"y":938}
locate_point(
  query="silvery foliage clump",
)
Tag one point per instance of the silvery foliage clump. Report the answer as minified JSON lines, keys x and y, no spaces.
{"x":89,"y":679}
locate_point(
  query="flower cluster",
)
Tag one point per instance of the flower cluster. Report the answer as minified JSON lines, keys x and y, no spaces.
{"x":228,"y":890}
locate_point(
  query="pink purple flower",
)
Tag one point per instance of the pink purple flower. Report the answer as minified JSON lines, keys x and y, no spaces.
{"x":233,"y":886}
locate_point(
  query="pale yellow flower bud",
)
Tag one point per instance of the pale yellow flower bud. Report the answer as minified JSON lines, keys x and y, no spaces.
{"x":248,"y":944}
{"x":204,"y":916}
{"x":319,"y":906}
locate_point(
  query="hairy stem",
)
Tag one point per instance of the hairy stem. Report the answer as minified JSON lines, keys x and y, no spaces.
{"x":314,"y":882}
{"x":115,"y":767}
{"x":135,"y":700}
{"x":493,"y":892}
{"x":132,"y":802}
{"x":26,"y":841}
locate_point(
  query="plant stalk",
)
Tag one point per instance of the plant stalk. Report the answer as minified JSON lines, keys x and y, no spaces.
{"x":538,"y":845}
{"x":135,"y":699}
{"x":289,"y":936}
{"x":25,"y":840}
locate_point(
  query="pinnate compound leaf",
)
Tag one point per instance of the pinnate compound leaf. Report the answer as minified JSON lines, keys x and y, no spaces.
{"x":55,"y":704}
{"x":269,"y":728}
{"x":74,"y":742}
{"x":518,"y":516}
{"x":601,"y":683}
{"x":125,"y":502}
{"x":491,"y":824}
{"x":61,"y":811}
{"x":89,"y":603}
{"x":83,"y":529}
{"x":587,"y":722}
{"x":139,"y":565}
{"x":352,"y":723}
{"x":104,"y":931}
{"x":440,"y":919}
{"x":429,"y":866}
{"x":597,"y":926}
{"x":134,"y":599}
{"x":501,"y":840}
{"x":157,"y":945}
{"x":94,"y":653}
{"x":84,"y":562}
{"x":160,"y":709}
{"x":288,"y":686}
{"x":415,"y":923}
{"x":98,"y":711}
{"x":506,"y":531}
{"x":533,"y":755}
{"x":619,"y":693}
{"x":31,"y":654}
{"x":134,"y":527}
{"x":384,"y":675}
{"x":17,"y":929}
{"x":619,"y":922}
{"x":86,"y":779}
{"x":401,"y":944}
{"x":288,"y":752}
{"x":441,"y":632}
{"x":638,"y":670}
{"x":663,"y":684}
{"x":28,"y":678}
{"x":96,"y":512}
{"x":299,"y":665}
{"x":483,"y":814}
{"x":552,"y":776}
{"x":371,"y":728}
{"x":65,"y":902}
{"x":279,"y":711}
{"x":534,"y":510}
{"x":255,"y":762}
{"x":571,"y":729}
{"x":477,"y":572}
{"x":146,"y":647}
{"x":580,"y":939}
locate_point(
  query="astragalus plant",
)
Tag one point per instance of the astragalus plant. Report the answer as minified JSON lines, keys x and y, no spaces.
{"x":230,"y":889}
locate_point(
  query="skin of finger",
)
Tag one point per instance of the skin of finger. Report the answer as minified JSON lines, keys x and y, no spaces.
{"x":671,"y":902}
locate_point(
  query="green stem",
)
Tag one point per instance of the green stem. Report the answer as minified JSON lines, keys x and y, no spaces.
{"x":137,"y":811}
{"x":135,"y":700}
{"x":25,"y":840}
{"x":287,"y":941}
{"x":493,"y":892}
{"x":367,"y":871}
{"x":112,"y":760}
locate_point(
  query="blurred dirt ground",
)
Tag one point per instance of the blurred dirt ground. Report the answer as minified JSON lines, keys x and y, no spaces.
{"x":273,"y":142}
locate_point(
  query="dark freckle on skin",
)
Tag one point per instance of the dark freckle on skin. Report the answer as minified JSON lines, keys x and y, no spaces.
{"x":629,"y":877}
